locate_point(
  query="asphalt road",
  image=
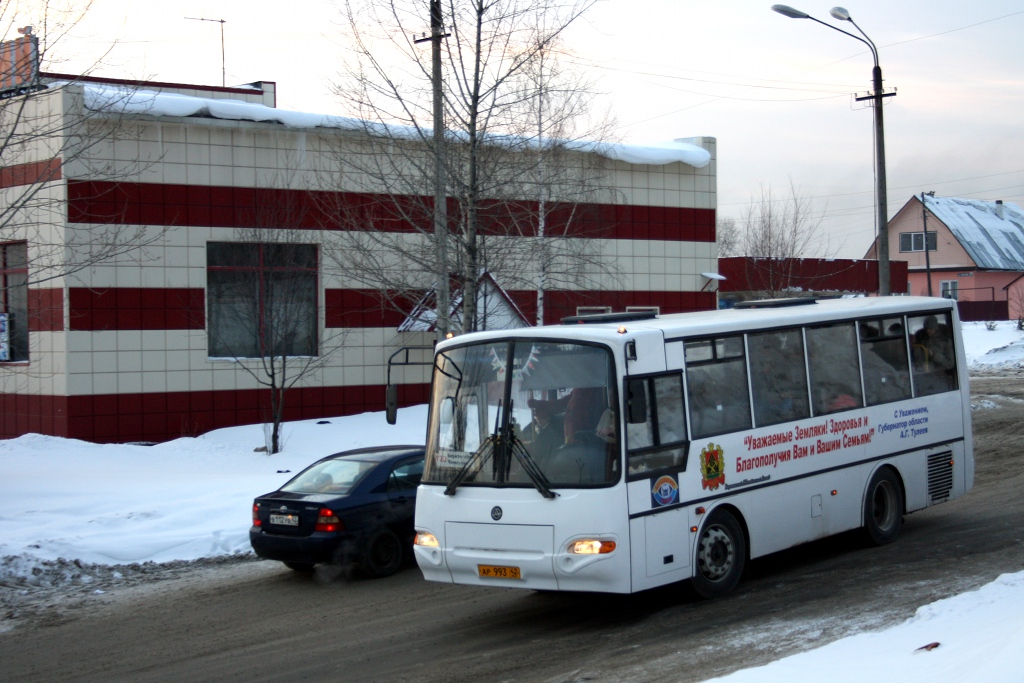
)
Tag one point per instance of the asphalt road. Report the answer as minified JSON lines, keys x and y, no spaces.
{"x":260,"y":621}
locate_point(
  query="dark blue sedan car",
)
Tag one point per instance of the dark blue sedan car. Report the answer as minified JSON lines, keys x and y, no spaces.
{"x":355,"y":507}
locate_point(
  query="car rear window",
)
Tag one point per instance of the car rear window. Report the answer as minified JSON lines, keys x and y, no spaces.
{"x":330,"y":476}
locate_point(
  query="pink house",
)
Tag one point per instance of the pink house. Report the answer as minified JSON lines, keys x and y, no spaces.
{"x":975,"y":253}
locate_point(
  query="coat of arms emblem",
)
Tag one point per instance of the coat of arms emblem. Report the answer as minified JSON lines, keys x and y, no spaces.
{"x":712,"y":467}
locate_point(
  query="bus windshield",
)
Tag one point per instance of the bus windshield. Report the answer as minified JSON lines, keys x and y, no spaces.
{"x":552,"y":421}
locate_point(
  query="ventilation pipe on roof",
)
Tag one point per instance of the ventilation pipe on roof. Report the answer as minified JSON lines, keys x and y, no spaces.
{"x":999,"y":209}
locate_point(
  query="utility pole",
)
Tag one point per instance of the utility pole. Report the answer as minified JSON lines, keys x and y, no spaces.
{"x":437,"y":34}
{"x":881,"y":200}
{"x":927,"y":259}
{"x":223,"y":71}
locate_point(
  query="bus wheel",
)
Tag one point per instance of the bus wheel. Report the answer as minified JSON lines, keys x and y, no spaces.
{"x":883,"y":508}
{"x":721,"y":553}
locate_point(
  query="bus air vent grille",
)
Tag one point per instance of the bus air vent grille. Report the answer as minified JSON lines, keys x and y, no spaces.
{"x":940,"y":476}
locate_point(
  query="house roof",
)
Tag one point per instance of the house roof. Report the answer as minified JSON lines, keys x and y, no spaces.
{"x":500,"y":312}
{"x":991,"y":233}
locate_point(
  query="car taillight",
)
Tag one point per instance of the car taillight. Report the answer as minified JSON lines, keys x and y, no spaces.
{"x":256,"y":515}
{"x":326,"y":520}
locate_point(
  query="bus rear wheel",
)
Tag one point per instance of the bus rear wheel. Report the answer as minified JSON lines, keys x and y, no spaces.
{"x":721,"y":554}
{"x":883,"y":508}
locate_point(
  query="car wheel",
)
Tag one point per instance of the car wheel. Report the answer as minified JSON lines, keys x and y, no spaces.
{"x":383,"y":555}
{"x":883,"y":508}
{"x":721,"y":554}
{"x":299,"y":566}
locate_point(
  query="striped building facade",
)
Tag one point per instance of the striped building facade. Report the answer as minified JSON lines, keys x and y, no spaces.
{"x":121,"y":351}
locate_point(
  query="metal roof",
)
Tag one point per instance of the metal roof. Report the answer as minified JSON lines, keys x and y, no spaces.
{"x":991,"y":233}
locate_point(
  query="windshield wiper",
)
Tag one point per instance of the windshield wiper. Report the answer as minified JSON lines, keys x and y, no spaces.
{"x":486,"y":449}
{"x":505,"y":443}
{"x":540,"y":482}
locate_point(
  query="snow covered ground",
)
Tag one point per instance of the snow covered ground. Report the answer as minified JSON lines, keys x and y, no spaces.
{"x":91,"y":509}
{"x":974,"y":636}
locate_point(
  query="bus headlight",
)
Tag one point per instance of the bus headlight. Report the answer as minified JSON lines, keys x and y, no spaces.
{"x":427,"y":540}
{"x":592,"y":547}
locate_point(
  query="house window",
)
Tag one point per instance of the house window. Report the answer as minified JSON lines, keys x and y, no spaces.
{"x":948,"y":289}
{"x":14,"y":302}
{"x":262,"y":299}
{"x":914,"y":241}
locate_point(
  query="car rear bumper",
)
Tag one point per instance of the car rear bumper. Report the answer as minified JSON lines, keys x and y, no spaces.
{"x":317,"y":548}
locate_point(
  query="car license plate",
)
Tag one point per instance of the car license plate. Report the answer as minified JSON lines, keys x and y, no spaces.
{"x":285,"y":520}
{"x":490,"y":571}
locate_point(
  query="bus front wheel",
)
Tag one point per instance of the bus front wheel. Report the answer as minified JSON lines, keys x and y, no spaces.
{"x":883,"y":508}
{"x":721,"y":554}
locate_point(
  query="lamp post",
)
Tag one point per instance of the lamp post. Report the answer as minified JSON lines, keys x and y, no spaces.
{"x":882,"y":238}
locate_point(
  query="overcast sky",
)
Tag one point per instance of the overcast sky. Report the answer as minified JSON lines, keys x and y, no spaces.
{"x":775,"y":92}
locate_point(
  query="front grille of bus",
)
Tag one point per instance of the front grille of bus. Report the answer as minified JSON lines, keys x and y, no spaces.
{"x":940,"y":476}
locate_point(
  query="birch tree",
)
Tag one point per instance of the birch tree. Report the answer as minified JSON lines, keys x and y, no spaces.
{"x":776,"y":232}
{"x":509,"y":164}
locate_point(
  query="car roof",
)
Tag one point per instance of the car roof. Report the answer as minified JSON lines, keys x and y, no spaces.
{"x":379,"y":453}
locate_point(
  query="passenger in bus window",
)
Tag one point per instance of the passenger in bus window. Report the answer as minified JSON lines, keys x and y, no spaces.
{"x":933,"y":355}
{"x":545,"y":433}
{"x":938,"y":340}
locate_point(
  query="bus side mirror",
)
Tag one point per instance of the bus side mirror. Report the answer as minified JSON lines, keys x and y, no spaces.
{"x":636,"y":403}
{"x":391,"y":403}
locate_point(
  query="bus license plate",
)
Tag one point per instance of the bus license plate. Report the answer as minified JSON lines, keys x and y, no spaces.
{"x":490,"y":571}
{"x":285,"y":520}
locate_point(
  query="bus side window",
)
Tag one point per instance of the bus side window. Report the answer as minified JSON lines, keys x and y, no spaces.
{"x":639,"y":425}
{"x":933,"y":354}
{"x":883,"y":353}
{"x":659,"y":441}
{"x":716,"y":374}
{"x":835,"y":370}
{"x":778,"y":376}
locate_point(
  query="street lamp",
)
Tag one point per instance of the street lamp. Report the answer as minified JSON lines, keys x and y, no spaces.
{"x":882,"y":239}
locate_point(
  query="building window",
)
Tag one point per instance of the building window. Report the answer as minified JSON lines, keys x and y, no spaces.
{"x":592,"y":310}
{"x":262,"y":299}
{"x":14,"y":302}
{"x":948,"y":289}
{"x":656,"y":310}
{"x":914,"y":241}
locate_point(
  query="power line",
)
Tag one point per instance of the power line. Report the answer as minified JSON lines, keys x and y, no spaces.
{"x":906,"y":187}
{"x":910,"y":40}
{"x":845,"y":88}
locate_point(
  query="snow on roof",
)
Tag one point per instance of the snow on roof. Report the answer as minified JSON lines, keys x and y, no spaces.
{"x":991,"y":233}
{"x":126,"y":101}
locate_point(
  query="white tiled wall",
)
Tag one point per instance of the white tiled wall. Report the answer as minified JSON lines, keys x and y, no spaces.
{"x":245,"y":154}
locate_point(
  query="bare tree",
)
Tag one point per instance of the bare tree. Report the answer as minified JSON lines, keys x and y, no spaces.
{"x":728,"y":237}
{"x":262,"y":304}
{"x":55,"y":127}
{"x":512,"y":160}
{"x":778,"y":231}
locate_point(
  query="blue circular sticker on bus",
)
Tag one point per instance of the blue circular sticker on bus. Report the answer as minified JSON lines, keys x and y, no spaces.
{"x":665,"y":491}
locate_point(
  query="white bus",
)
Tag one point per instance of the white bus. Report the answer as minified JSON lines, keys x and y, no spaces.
{"x":620,"y":452}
